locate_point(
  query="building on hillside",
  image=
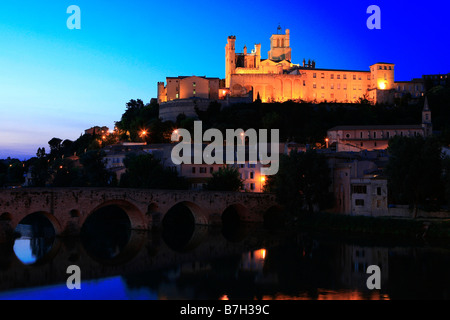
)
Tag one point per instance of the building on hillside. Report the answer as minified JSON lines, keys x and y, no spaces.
{"x":181,"y":95}
{"x":358,"y":184}
{"x":97,"y":130}
{"x":278,"y":79}
{"x":196,"y":174}
{"x":376,"y":137}
{"x":432,"y":80}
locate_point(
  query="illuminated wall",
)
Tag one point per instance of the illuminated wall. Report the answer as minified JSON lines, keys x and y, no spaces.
{"x":188,"y":87}
{"x":278,"y":79}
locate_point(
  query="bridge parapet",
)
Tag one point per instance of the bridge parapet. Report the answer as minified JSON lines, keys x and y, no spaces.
{"x":68,"y":208}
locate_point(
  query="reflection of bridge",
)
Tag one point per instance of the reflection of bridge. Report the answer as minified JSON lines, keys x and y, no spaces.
{"x":144,"y":252}
{"x":68,"y":208}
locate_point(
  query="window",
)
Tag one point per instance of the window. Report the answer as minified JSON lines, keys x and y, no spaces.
{"x":387,"y":134}
{"x":322,"y":86}
{"x":202,"y":169}
{"x":374,"y":135}
{"x":194,"y":84}
{"x":338,"y":86}
{"x":345,"y":76}
{"x":252,"y":175}
{"x":314,"y":85}
{"x":252,"y":186}
{"x":379,"y":191}
{"x":193,"y":169}
{"x":211,"y":169}
{"x":304,"y":83}
{"x":361,"y":189}
{"x":332,"y":86}
{"x":332,"y":76}
{"x":354,"y":77}
{"x":194,"y":92}
{"x":322,"y":75}
{"x":359,"y":202}
{"x":338,"y":76}
{"x":314,"y":75}
{"x":177,"y":96}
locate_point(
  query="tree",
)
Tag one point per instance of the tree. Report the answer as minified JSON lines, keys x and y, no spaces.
{"x":55,"y":145}
{"x":225,"y":179}
{"x":414,"y":171}
{"x":302,"y":181}
{"x":39,"y":167}
{"x":145,"y":171}
{"x":94,"y":173}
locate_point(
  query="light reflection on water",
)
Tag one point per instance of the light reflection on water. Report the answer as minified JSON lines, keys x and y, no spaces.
{"x":262,"y":266}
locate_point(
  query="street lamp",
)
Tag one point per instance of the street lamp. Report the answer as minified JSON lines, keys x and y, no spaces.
{"x":326,"y":142}
{"x":263,"y":180}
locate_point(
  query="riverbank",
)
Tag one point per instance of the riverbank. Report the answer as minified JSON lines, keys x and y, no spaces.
{"x":361,"y":225}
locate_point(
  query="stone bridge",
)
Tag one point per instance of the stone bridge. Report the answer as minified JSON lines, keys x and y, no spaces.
{"x":68,"y":208}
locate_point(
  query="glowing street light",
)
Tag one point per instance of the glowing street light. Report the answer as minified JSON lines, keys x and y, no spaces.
{"x":175,"y":136}
{"x":326,"y":142}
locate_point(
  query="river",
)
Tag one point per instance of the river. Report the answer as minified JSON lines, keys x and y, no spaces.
{"x":244,"y":261}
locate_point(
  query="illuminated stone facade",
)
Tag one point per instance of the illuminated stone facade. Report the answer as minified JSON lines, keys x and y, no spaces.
{"x":278,"y":79}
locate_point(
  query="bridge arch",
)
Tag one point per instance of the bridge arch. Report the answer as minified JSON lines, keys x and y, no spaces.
{"x":235,"y":213}
{"x":48,"y":216}
{"x":135,"y":216}
{"x":198,"y":215}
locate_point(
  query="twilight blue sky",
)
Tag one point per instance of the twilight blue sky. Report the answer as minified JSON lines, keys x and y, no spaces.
{"x":56,"y":82}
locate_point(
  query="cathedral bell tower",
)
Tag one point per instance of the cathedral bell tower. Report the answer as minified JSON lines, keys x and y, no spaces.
{"x":280,"y":46}
{"x":426,"y":119}
{"x":230,"y":59}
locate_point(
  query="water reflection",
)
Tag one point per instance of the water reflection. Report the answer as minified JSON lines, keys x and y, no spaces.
{"x":106,"y":232}
{"x":36,"y":239}
{"x":207,"y":265}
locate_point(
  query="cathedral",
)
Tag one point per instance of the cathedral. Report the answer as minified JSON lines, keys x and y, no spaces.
{"x":277,"y":79}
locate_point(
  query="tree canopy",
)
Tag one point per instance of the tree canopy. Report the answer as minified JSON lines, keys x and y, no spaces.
{"x":227,"y":178}
{"x":414,"y":171}
{"x":145,"y":171}
{"x":302,"y":181}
